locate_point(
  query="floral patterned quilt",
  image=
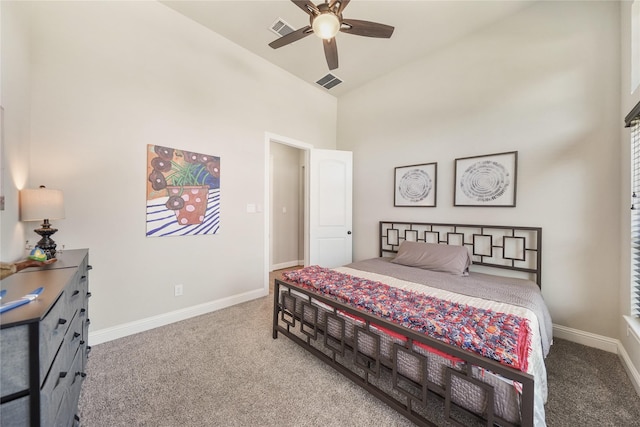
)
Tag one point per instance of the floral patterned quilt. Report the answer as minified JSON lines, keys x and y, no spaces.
{"x":505,"y":338}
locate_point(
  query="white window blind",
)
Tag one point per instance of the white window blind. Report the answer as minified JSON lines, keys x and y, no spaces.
{"x":633,"y":121}
{"x":635,"y":218}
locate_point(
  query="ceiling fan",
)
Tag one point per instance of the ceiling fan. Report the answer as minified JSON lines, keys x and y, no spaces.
{"x":325,"y":22}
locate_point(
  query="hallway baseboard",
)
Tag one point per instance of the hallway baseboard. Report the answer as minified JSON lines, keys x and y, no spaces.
{"x":288,"y":264}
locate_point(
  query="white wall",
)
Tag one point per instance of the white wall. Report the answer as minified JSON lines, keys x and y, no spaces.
{"x":14,"y":98}
{"x":544,"y":82}
{"x":108,"y":78}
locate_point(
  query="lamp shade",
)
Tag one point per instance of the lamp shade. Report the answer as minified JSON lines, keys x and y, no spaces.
{"x":37,"y":204}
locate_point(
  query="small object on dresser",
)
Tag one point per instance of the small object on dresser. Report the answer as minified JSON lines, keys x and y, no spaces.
{"x":21,"y":301}
{"x":37,"y":254}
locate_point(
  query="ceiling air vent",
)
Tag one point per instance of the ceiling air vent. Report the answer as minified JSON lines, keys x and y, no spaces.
{"x":329,"y":81}
{"x":281,"y":28}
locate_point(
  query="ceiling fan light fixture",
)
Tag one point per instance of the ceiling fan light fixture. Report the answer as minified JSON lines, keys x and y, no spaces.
{"x":326,"y":25}
{"x":325,"y":20}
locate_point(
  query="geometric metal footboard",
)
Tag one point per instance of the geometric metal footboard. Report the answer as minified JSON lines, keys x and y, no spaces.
{"x":412,"y":373}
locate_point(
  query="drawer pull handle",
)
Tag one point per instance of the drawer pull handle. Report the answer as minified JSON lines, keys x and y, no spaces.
{"x":82,"y":342}
{"x":75,"y":335}
{"x":63,"y":374}
{"x":62,"y":321}
{"x":88,"y":294}
{"x":83,"y":310}
{"x":89,"y":267}
{"x":76,"y":292}
{"x":83,"y":277}
{"x":82,"y":374}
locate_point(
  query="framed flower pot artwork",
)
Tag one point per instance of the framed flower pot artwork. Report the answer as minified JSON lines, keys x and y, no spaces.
{"x":183,"y":192}
{"x":415,"y":185}
{"x":486,"y":181}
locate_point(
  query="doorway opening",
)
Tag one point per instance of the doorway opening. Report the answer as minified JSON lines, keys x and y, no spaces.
{"x":287,"y":206}
{"x":286,"y":190}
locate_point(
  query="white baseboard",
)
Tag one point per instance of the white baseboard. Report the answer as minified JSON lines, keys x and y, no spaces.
{"x":632,"y":372}
{"x":586,"y":338}
{"x":287,"y":264}
{"x":603,"y":343}
{"x":126,"y":329}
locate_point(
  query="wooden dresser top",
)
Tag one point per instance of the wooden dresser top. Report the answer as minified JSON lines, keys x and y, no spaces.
{"x":52,"y":278}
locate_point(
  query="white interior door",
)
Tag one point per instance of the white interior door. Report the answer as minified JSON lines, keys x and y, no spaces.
{"x":330,"y":207}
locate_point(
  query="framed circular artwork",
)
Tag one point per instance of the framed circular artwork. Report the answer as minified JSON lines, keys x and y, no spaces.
{"x":487,"y":181}
{"x":415,"y":185}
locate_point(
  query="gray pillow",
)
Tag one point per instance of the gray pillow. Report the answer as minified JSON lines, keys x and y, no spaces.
{"x":432,"y":256}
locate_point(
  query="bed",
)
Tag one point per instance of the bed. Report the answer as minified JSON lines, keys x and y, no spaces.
{"x":447,"y":326}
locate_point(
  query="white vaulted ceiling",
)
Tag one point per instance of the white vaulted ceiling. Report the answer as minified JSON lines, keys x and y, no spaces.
{"x":421,"y":27}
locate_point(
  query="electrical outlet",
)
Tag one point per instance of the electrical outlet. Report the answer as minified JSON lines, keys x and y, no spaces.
{"x":178,"y":290}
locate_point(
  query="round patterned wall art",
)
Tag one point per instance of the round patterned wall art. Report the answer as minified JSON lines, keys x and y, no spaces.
{"x":415,"y":185}
{"x":485,"y":181}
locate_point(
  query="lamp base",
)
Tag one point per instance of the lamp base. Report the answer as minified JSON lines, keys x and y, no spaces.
{"x":46,"y":243}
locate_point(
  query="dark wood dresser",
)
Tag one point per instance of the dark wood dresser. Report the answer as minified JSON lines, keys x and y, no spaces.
{"x":43,"y":344}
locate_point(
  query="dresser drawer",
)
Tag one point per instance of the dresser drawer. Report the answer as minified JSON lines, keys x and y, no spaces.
{"x":76,"y":385}
{"x":52,"y":330}
{"x":78,"y":379}
{"x":71,"y":341}
{"x":74,"y":293}
{"x":14,"y":354}
{"x":53,"y":390}
{"x":62,"y":407}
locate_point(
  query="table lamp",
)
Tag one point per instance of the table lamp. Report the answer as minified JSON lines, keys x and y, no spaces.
{"x":42,"y":204}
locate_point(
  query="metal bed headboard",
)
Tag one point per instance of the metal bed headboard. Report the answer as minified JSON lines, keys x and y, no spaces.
{"x":497,"y":246}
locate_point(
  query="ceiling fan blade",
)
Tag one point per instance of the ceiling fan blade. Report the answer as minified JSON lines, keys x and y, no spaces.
{"x":291,"y":37}
{"x":307,"y":6}
{"x":331,"y":53}
{"x":366,"y":28}
{"x":341,"y":5}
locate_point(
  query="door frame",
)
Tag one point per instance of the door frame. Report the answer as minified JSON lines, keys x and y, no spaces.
{"x":268,"y":139}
